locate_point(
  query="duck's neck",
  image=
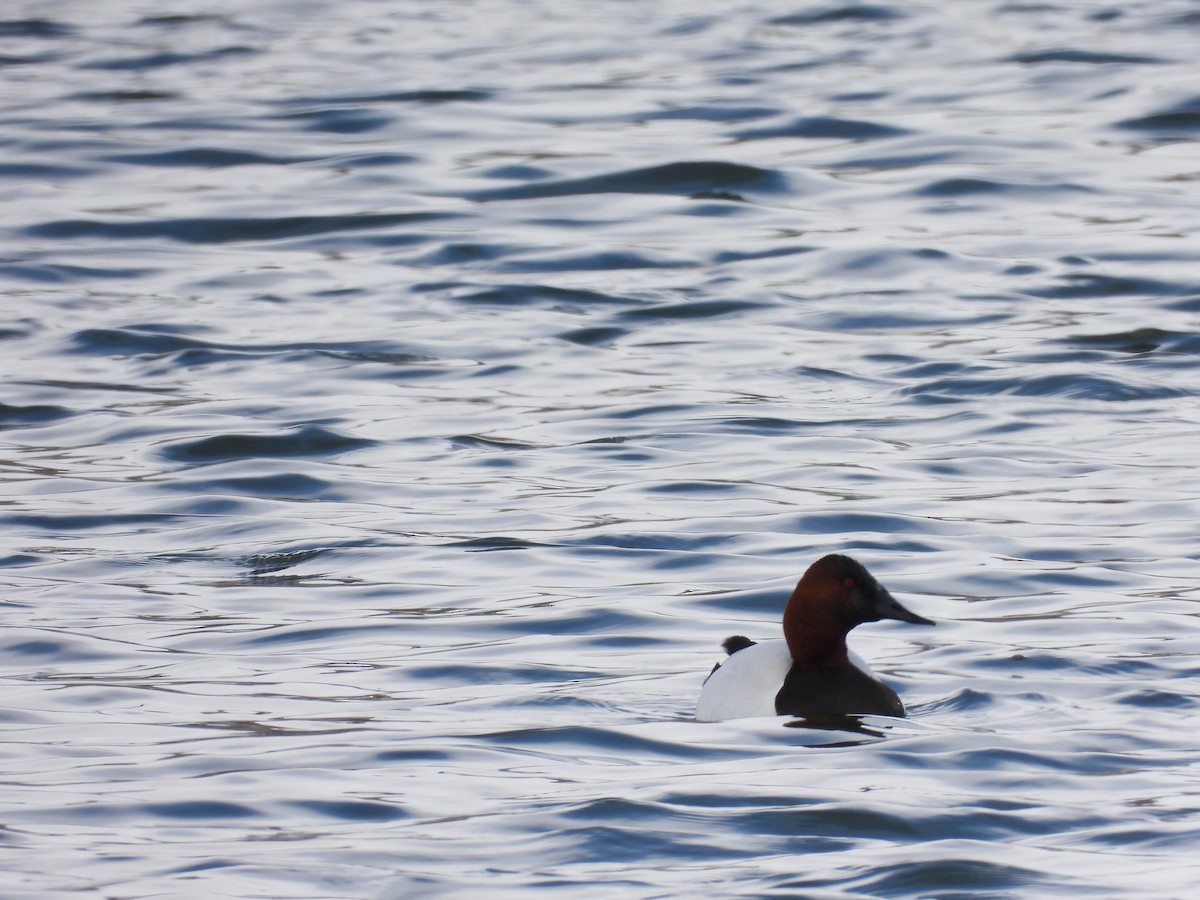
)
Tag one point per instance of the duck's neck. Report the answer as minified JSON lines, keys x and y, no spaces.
{"x":816,"y":637}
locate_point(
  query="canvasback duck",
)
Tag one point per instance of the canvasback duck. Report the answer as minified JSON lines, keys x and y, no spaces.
{"x":810,"y":673}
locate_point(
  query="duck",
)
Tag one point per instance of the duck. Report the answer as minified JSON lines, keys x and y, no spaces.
{"x":811,"y":673}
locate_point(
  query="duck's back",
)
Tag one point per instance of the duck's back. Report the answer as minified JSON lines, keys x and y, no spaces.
{"x":746,"y":683}
{"x":763,"y":680}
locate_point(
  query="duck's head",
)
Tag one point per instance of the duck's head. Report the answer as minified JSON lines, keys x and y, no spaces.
{"x":836,"y":594}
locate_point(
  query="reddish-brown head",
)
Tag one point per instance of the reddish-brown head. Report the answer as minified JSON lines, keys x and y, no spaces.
{"x":834,"y":595}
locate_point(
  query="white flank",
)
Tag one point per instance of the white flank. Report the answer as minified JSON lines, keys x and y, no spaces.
{"x":746,"y":683}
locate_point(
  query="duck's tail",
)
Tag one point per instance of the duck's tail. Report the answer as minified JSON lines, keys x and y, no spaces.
{"x":738,"y":642}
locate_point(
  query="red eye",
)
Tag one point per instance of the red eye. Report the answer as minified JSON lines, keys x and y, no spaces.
{"x":850,"y":583}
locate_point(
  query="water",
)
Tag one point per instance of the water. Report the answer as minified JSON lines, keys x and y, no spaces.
{"x":403,"y":400}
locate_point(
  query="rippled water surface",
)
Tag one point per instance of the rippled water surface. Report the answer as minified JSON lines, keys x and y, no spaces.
{"x":402,"y":400}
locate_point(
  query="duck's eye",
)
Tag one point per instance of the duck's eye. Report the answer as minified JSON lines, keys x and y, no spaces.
{"x":850,"y":584}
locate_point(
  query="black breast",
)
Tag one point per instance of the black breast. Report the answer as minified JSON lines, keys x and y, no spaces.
{"x":838,"y":691}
